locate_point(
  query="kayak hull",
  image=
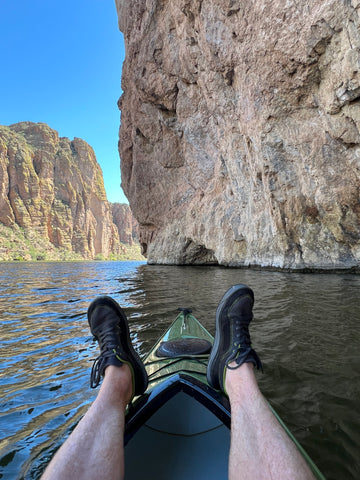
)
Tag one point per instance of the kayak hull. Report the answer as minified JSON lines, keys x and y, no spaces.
{"x":180,"y":427}
{"x":199,"y":392}
{"x":180,"y":432}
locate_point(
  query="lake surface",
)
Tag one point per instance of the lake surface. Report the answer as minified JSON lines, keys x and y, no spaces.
{"x":306,"y":329}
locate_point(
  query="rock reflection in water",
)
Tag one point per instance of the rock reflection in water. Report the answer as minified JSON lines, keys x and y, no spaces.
{"x":305,"y":328}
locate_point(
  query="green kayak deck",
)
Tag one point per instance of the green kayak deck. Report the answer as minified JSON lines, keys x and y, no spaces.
{"x":185,"y":331}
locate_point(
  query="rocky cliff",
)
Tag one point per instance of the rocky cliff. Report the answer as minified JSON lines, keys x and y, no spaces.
{"x":239,"y":137}
{"x":52,"y":189}
{"x":127,"y":226}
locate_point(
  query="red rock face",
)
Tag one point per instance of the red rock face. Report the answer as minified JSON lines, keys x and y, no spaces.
{"x":239,"y":136}
{"x":55,"y":187}
{"x":127,"y":226}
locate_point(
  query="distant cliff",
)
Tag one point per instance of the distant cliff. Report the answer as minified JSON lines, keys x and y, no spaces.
{"x":53,"y":203}
{"x":239,"y":136}
{"x":127,"y":226}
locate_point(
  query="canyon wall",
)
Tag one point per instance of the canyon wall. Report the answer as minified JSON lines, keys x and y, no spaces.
{"x":53,"y":189}
{"x":239,"y":136}
{"x":127,"y":226}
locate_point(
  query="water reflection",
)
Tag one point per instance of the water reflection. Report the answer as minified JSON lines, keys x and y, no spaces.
{"x":305,"y":328}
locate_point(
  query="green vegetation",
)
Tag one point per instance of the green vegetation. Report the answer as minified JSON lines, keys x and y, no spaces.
{"x":132,"y":252}
{"x":19,"y":244}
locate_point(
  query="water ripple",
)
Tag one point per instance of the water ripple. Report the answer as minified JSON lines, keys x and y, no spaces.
{"x":306,"y":330}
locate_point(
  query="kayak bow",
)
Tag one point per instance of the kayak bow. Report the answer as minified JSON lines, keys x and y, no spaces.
{"x":180,"y":427}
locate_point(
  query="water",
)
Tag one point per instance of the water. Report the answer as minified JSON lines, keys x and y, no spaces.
{"x":306,"y":329}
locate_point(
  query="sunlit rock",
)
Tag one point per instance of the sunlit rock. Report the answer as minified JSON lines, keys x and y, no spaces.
{"x":239,"y":136}
{"x":53,"y":188}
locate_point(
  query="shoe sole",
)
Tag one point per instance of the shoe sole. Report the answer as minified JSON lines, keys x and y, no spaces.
{"x":125,"y":339}
{"x":214,"y":355}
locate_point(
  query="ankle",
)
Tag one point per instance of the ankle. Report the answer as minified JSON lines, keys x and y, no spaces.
{"x":241,"y":381}
{"x":246,"y":368}
{"x":118,"y":383}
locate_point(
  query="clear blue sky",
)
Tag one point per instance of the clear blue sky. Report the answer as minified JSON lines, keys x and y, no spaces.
{"x":61,"y":64}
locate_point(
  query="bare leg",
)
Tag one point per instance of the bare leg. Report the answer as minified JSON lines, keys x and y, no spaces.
{"x":260,"y":448}
{"x":95,"y":449}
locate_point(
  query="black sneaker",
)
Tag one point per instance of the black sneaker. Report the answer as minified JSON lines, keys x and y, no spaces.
{"x":109,"y":325}
{"x":232,"y":338}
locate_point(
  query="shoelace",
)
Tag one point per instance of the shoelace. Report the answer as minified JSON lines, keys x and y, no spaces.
{"x":98,"y":368}
{"x":106,"y":342}
{"x":241,"y":331}
{"x":241,"y":350}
